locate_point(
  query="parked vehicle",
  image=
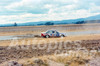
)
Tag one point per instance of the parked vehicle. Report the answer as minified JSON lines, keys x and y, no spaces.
{"x":52,"y":33}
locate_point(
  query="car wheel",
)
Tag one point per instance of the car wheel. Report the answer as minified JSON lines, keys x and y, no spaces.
{"x":47,"y":36}
{"x":62,"y":36}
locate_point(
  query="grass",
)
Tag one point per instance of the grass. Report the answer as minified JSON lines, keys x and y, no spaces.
{"x":31,"y":61}
{"x":75,"y":58}
{"x":70,"y":60}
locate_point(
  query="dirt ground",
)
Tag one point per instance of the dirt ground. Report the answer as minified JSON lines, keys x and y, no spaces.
{"x":48,"y":40}
{"x":6,"y":31}
{"x":17,"y":52}
{"x":88,"y":41}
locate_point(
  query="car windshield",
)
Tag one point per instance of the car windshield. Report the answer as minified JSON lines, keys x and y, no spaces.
{"x":48,"y":32}
{"x":51,"y":31}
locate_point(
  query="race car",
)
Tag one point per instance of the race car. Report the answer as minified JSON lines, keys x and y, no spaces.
{"x":52,"y":33}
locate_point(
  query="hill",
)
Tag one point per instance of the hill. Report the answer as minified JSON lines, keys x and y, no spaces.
{"x":91,"y":19}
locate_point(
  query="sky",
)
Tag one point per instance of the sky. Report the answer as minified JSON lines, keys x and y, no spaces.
{"x":21,"y":11}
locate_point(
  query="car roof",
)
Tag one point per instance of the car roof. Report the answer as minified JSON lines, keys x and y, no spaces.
{"x":51,"y":30}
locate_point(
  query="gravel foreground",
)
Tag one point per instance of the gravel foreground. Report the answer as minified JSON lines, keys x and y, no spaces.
{"x":19,"y":53}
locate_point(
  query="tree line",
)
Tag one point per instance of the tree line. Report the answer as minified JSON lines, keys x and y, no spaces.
{"x":51,"y":23}
{"x":48,"y":23}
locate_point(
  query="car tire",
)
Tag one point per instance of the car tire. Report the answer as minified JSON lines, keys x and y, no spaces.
{"x":47,"y":36}
{"x":62,"y":36}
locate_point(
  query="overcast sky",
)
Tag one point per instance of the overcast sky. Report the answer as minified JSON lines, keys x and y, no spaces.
{"x":44,"y":10}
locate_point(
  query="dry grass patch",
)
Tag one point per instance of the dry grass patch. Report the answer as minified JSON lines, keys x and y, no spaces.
{"x":74,"y":59}
{"x":41,"y":61}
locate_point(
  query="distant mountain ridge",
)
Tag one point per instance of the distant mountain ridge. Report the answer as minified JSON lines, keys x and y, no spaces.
{"x":92,"y":19}
{"x":97,"y":17}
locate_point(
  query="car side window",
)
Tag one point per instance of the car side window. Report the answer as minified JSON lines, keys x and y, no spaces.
{"x":57,"y":32}
{"x":53,"y":31}
{"x":49,"y":32}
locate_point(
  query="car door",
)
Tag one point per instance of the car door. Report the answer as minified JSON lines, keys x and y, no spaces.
{"x":49,"y":33}
{"x":53,"y":33}
{"x":57,"y":34}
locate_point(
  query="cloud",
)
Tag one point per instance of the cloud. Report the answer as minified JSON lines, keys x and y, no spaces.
{"x":38,"y":6}
{"x":28,"y":6}
{"x":7,"y":2}
{"x":42,"y":10}
{"x":94,"y":8}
